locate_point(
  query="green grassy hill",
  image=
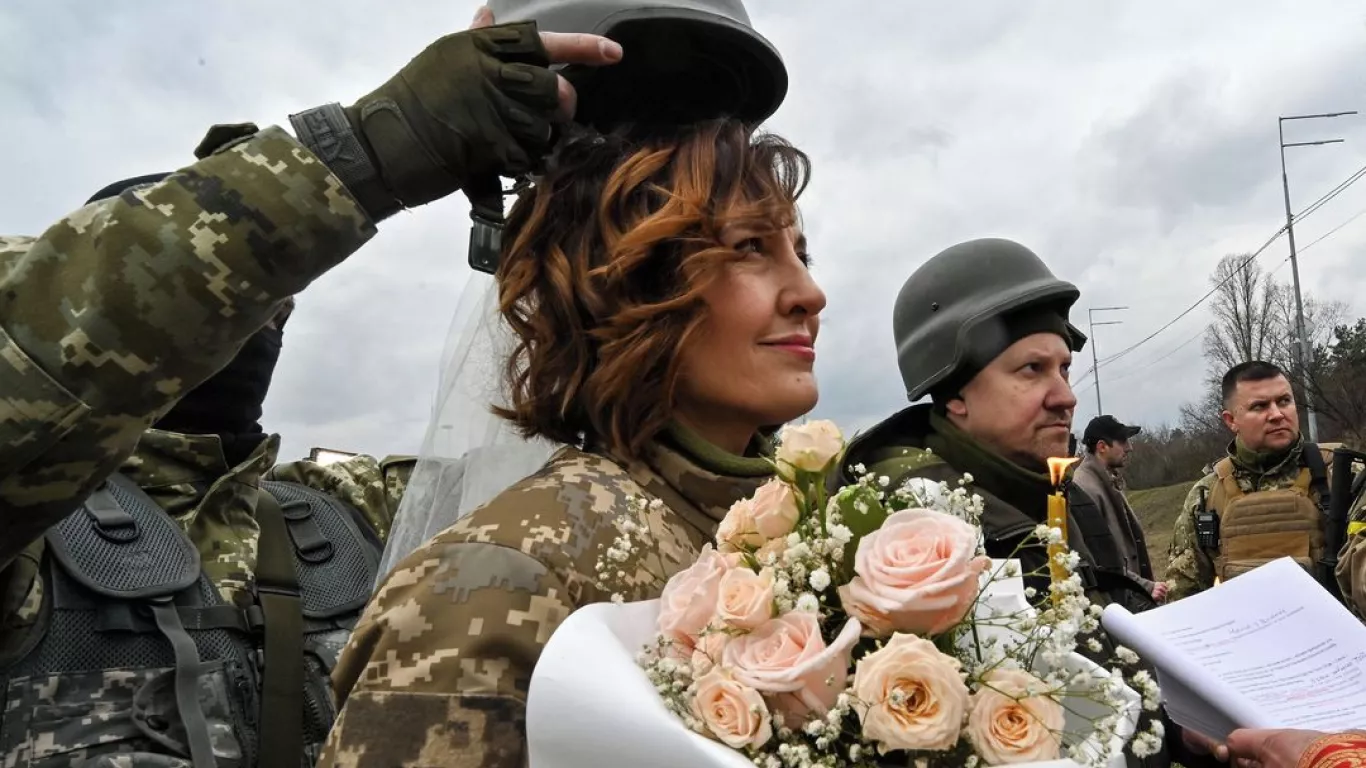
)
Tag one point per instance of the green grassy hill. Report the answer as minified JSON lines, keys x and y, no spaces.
{"x":1156,"y":509}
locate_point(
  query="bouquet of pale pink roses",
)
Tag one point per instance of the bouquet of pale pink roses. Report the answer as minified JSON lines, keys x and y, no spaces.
{"x":868,"y":628}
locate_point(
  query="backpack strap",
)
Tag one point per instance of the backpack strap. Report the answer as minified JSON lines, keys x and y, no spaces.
{"x":335,"y":550}
{"x":123,"y":547}
{"x":1315,"y":476}
{"x":282,"y":685}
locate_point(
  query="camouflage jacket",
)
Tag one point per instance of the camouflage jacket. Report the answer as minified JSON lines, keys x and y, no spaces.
{"x":120,"y":308}
{"x":1190,"y":569}
{"x":437,"y":670}
{"x":1351,"y":567}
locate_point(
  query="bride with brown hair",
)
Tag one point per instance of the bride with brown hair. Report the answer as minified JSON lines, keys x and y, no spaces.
{"x":662,"y":313}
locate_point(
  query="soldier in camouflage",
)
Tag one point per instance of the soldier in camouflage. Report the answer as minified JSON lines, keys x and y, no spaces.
{"x":438,"y":668}
{"x":134,"y":631}
{"x":1268,"y":462}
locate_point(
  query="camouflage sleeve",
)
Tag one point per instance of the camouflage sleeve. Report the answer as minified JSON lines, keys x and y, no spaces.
{"x":118,"y":309}
{"x":1189,"y":568}
{"x":438,"y":668}
{"x":375,"y":488}
{"x":1351,"y":567}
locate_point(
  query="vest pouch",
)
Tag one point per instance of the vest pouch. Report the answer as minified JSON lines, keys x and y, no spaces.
{"x":1264,"y":526}
{"x":54,"y":721}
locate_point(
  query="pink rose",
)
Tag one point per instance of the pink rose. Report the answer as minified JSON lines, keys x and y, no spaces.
{"x":711,"y":646}
{"x":788,"y":656}
{"x":745,"y":600}
{"x":910,"y":695}
{"x":775,"y":510}
{"x":1013,"y":720}
{"x":688,"y":601}
{"x":918,"y":573}
{"x":732,"y":712}
{"x":738,"y":530}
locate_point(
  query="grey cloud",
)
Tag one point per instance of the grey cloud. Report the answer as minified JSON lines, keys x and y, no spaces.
{"x":1131,"y":144}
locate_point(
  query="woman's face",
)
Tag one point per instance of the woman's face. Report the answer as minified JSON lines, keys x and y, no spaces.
{"x":751,"y":362}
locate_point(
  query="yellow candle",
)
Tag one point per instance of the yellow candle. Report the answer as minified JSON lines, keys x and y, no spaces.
{"x":1057,"y":518}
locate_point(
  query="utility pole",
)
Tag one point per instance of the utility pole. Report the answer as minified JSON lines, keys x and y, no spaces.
{"x":1095,"y":362}
{"x":1301,"y":347}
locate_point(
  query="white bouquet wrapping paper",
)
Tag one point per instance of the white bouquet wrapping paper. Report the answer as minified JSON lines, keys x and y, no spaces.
{"x":592,"y":706}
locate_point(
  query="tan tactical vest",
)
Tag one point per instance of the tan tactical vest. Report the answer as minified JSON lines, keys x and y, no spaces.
{"x":1256,"y":528}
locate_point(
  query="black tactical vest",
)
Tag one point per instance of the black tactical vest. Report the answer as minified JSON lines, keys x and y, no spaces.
{"x":137,"y":656}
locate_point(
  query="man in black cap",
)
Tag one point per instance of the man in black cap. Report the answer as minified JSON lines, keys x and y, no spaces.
{"x":1100,"y":475}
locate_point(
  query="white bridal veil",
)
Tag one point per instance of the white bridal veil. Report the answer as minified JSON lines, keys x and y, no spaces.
{"x":468,"y":455}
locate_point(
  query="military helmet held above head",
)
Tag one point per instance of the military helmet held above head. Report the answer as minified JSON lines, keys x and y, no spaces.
{"x":682,"y":60}
{"x":949,"y":314}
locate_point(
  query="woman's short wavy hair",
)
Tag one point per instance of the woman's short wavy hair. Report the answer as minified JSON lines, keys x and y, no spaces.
{"x":605,"y":261}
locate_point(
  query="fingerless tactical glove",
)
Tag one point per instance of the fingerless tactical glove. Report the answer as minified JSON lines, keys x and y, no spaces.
{"x":474,"y":103}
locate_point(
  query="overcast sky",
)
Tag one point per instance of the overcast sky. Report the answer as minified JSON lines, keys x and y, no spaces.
{"x":1130,"y":144}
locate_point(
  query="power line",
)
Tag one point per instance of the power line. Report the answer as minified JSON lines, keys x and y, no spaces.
{"x":1232,"y":273}
{"x":1146,"y":366}
{"x":1314,"y":206}
{"x":1323,"y":237}
{"x":1334,"y":192}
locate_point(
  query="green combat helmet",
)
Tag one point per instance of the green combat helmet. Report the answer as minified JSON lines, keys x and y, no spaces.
{"x":682,"y":61}
{"x":948,"y":315}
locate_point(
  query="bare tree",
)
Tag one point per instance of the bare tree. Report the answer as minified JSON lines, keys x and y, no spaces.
{"x":1339,"y":370}
{"x":1245,"y":325}
{"x":1320,"y":318}
{"x":1204,"y":417}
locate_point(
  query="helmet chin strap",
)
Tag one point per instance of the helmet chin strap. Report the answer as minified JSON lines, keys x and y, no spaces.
{"x":486,"y":215}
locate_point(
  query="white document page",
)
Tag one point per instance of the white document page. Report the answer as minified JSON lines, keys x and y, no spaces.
{"x":1268,"y":649}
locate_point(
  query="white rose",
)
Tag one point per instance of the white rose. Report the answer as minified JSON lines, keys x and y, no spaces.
{"x":811,"y":446}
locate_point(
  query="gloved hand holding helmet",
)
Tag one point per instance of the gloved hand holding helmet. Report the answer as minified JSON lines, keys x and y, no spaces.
{"x":472,"y":103}
{"x":483,"y":103}
{"x":684,"y":61}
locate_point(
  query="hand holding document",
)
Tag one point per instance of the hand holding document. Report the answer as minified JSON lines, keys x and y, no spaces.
{"x":1269,"y":649}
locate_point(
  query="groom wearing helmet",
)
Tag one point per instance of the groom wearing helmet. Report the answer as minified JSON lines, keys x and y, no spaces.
{"x":982,"y":329}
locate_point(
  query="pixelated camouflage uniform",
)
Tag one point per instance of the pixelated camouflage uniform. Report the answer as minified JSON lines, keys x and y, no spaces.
{"x":437,"y":670}
{"x":1190,"y":569}
{"x":119,"y":309}
{"x":105,"y":321}
{"x":1351,"y":567}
